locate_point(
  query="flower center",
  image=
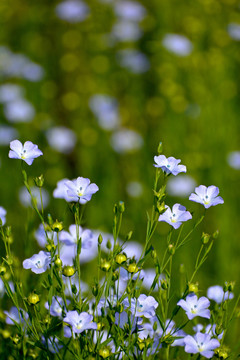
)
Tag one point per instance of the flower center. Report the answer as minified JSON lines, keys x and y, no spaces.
{"x":79,"y":325}
{"x":80,"y":192}
{"x":173,"y":218}
{"x":206,"y":200}
{"x":194,"y":309}
{"x":38,"y":264}
{"x":23,"y":156}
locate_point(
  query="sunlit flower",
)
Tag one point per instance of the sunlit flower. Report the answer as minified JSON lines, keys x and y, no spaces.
{"x":27,"y":152}
{"x":80,"y":190}
{"x":38,"y":263}
{"x":176,"y":217}
{"x":169,"y":165}
{"x":201,"y":343}
{"x":80,"y":322}
{"x":195,"y":307}
{"x":207,"y":196}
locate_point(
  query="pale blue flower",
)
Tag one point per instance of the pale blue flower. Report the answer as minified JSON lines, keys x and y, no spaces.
{"x":176,"y":216}
{"x":169,"y":165}
{"x":125,"y":30}
{"x":61,"y":191}
{"x":125,"y":140}
{"x":3,"y":214}
{"x":72,"y":10}
{"x":80,"y":190}
{"x":57,"y":306}
{"x":130,"y":10}
{"x":177,"y":44}
{"x":80,"y":322}
{"x":7,"y":134}
{"x":42,"y":236}
{"x":15,"y":316}
{"x":19,"y":110}
{"x":133,"y":60}
{"x":181,"y":185}
{"x":211,"y":330}
{"x":61,"y":139}
{"x":38,"y":263}
{"x":105,"y":108}
{"x":233,"y":159}
{"x":70,"y":238}
{"x":142,"y":306}
{"x":207,"y":196}
{"x":26,"y":199}
{"x":195,"y":307}
{"x":27,"y":152}
{"x":122,"y":319}
{"x":234,"y":31}
{"x":201,"y":343}
{"x":217,"y":294}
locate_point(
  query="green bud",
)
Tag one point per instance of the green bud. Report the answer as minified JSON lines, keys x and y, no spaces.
{"x":68,"y":271}
{"x":2,"y":270}
{"x":100,"y":239}
{"x":74,"y":289}
{"x":33,"y":299}
{"x":115,"y":275}
{"x":115,"y":209}
{"x":129,"y":235}
{"x":109,"y":245}
{"x":160,"y":148}
{"x":205,"y":238}
{"x":121,"y":206}
{"x":57,"y":226}
{"x":105,"y":265}
{"x":215,"y":234}
{"x":154,"y":254}
{"x":161,"y":208}
{"x":193,"y":287}
{"x":39,"y":181}
{"x":58,"y":261}
{"x":171,"y":249}
{"x":8,"y":231}
{"x":120,"y":258}
{"x":50,"y":220}
{"x":164,"y":284}
{"x":104,"y":352}
{"x":155,"y":326}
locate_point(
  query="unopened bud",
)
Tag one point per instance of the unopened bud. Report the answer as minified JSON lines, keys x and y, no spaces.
{"x":105,"y":265}
{"x":171,"y":249}
{"x":33,"y":299}
{"x":132,"y":268}
{"x":215,"y":234}
{"x":104,"y":352}
{"x":121,"y":206}
{"x":154,"y":254}
{"x":129,"y":235}
{"x":16,"y":339}
{"x":100,"y":239}
{"x":164,"y":284}
{"x":205,"y":238}
{"x":160,"y":148}
{"x":161,"y":208}
{"x":50,"y":247}
{"x":193,"y":287}
{"x":109,"y":245}
{"x":58,"y":261}
{"x":57,"y":226}
{"x":120,"y":258}
{"x":2,"y":270}
{"x":95,"y":290}
{"x":39,"y":181}
{"x":115,"y":275}
{"x":74,"y":289}
{"x":68,"y":271}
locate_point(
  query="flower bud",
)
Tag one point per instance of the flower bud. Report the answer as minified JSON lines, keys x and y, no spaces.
{"x":74,"y":289}
{"x":57,"y":226}
{"x":205,"y":238}
{"x":171,"y":249}
{"x":33,"y":299}
{"x":95,"y":290}
{"x":215,"y":234}
{"x":2,"y":270}
{"x":58,"y":261}
{"x":161,"y":208}
{"x":132,"y":268}
{"x":154,"y":254}
{"x":39,"y":181}
{"x":68,"y":271}
{"x":164,"y":284}
{"x":109,"y":245}
{"x":121,"y":207}
{"x":104,"y":352}
{"x":115,"y":276}
{"x":100,"y":239}
{"x":16,"y":339}
{"x":5,"y":333}
{"x":193,"y":287}
{"x":155,"y":326}
{"x":129,"y":235}
{"x":50,"y":247}
{"x":105,"y":265}
{"x":47,"y":320}
{"x":160,"y":148}
{"x":120,"y":258}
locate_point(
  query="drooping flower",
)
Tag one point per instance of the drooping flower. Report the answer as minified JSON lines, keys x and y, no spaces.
{"x":70,"y":238}
{"x":27,"y":152}
{"x":201,"y":343}
{"x":38,"y":263}
{"x":176,"y":217}
{"x":80,"y":190}
{"x":195,"y":307}
{"x":207,"y":196}
{"x":169,"y":165}
{"x":80,"y":322}
{"x":3,"y":214}
{"x":217,"y":294}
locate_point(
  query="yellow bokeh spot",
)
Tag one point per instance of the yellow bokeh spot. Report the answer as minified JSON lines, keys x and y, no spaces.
{"x":71,"y":39}
{"x":70,"y":101}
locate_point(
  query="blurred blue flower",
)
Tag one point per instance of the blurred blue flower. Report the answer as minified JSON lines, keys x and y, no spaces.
{"x":26,"y":200}
{"x":80,"y":190}
{"x":57,"y":306}
{"x":133,"y":60}
{"x":27,"y":152}
{"x":124,"y":30}
{"x":207,"y":196}
{"x":177,"y":44}
{"x":233,"y":159}
{"x":217,"y":294}
{"x":38,"y":263}
{"x":176,"y":217}
{"x":201,"y":343}
{"x":7,"y":134}
{"x":19,"y":110}
{"x":130,"y":10}
{"x":3,"y":214}
{"x":72,"y":10}
{"x":61,"y":139}
{"x":105,"y":108}
{"x":126,"y":140}
{"x":181,"y":185}
{"x":70,"y":238}
{"x":80,"y":322}
{"x":195,"y":307}
{"x":169,"y":165}
{"x":234,"y":31}
{"x":15,"y":315}
{"x":10,"y":92}
{"x":42,"y":236}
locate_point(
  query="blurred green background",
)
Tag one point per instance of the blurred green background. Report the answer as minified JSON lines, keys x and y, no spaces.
{"x":122,"y":76}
